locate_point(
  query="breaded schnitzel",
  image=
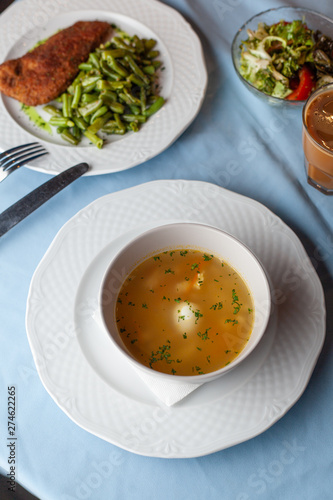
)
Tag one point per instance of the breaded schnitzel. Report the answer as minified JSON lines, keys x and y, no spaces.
{"x":44,"y":73}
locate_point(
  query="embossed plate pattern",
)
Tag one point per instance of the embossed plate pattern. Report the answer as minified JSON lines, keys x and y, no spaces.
{"x":183,"y":81}
{"x":113,"y":404}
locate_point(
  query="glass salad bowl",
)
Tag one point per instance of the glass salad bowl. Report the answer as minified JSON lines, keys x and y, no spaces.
{"x":313,"y":20}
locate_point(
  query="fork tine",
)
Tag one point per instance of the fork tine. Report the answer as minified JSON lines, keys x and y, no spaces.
{"x":13,"y":159}
{"x":16,"y":148}
{"x":21,"y":163}
{"x":16,"y":157}
{"x":5,"y":173}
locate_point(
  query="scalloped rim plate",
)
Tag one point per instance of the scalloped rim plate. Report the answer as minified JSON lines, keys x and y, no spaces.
{"x":101,"y":392}
{"x":183,"y":81}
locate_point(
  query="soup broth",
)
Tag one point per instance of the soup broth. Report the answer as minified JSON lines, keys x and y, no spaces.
{"x":184,"y":312}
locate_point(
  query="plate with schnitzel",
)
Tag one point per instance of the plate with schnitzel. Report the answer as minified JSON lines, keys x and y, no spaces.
{"x":40,"y":54}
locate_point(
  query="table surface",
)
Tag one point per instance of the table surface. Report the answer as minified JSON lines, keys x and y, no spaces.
{"x":56,"y":459}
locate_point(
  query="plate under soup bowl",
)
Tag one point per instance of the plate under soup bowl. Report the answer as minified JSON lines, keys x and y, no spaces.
{"x":185,"y":302}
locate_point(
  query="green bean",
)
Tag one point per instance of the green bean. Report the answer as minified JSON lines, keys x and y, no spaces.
{"x":101,"y":111}
{"x":112,"y":129}
{"x":122,"y":45}
{"x":85,"y":66}
{"x":124,"y":98}
{"x":94,"y":59}
{"x":99,"y":123}
{"x":152,"y":98}
{"x":135,"y":110}
{"x":69,"y":137}
{"x":59,"y":121}
{"x":66,"y":105}
{"x":97,"y":141}
{"x":119,"y":123}
{"x":117,"y":67}
{"x":133,"y":126}
{"x":114,"y":53}
{"x":155,"y":106}
{"x":109,"y":125}
{"x":139,"y":46}
{"x":152,"y":54}
{"x":149,"y":70}
{"x":131,"y":98}
{"x":137,"y":80}
{"x":52,"y":110}
{"x":133,"y":118}
{"x":77,"y":95}
{"x":135,"y":68}
{"x":117,"y":107}
{"x":88,"y":98}
{"x":108,"y":94}
{"x":80,"y":122}
{"x":105,"y":85}
{"x":90,"y":108}
{"x":87,"y":82}
{"x":156,"y":64}
{"x":107,"y":101}
{"x":106,"y":70}
{"x":76,"y":132}
{"x":149,"y":44}
{"x":143,"y":99}
{"x":77,"y":79}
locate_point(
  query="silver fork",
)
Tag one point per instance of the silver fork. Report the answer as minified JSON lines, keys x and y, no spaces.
{"x":14,"y":158}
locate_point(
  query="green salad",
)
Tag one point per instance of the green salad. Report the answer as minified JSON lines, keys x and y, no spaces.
{"x":287,"y":59}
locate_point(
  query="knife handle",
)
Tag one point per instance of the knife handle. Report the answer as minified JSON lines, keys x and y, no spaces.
{"x":25,"y":206}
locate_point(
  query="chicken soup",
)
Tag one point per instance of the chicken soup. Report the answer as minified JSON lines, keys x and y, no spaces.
{"x":184,"y":312}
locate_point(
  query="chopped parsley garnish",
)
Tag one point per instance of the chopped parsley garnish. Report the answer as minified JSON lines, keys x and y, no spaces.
{"x":218,"y":305}
{"x":198,"y":315}
{"x":233,"y":321}
{"x":204,"y":336}
{"x":235,"y":302}
{"x":207,"y":257}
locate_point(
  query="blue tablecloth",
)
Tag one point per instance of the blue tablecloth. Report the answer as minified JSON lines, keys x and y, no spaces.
{"x":56,"y":459}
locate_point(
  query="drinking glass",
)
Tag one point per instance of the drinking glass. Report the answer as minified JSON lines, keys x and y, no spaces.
{"x":318,"y":139}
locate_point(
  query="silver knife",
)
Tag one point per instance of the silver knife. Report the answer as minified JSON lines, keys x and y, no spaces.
{"x":24,"y":207}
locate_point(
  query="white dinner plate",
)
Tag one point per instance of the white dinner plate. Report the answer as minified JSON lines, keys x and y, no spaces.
{"x":183,"y":79}
{"x":103,"y":394}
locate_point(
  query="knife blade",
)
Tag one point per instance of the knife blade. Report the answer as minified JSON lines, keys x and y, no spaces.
{"x":29,"y":203}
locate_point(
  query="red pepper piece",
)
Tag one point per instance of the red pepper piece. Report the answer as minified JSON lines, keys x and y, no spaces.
{"x":305,"y":85}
